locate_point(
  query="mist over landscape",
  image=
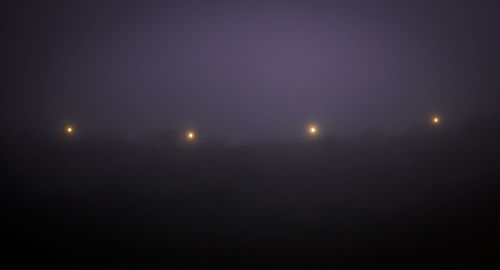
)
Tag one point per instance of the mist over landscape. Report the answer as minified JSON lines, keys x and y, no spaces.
{"x":250,"y":134}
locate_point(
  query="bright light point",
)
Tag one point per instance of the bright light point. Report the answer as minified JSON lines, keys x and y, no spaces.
{"x":69,"y":130}
{"x":435,"y":120}
{"x":313,"y":130}
{"x":190,"y":135}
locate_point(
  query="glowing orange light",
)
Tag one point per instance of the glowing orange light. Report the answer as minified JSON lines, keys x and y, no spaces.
{"x":190,"y":135}
{"x":69,"y":130}
{"x":313,"y":130}
{"x":435,"y":120}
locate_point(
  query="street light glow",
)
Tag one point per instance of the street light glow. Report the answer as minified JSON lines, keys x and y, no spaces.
{"x":435,"y":120}
{"x":190,"y":135}
{"x":313,"y":130}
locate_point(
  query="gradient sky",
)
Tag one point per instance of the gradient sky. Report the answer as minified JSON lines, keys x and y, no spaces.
{"x":247,"y":70}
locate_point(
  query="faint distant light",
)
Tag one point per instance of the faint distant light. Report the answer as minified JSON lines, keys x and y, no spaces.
{"x":190,"y":135}
{"x":69,"y":130}
{"x":313,"y":130}
{"x":436,"y":120}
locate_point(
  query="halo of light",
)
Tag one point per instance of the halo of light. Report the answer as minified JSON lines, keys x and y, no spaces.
{"x":436,"y":120}
{"x":313,"y":130}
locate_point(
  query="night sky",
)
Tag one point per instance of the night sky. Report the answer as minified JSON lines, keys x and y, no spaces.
{"x":247,"y":70}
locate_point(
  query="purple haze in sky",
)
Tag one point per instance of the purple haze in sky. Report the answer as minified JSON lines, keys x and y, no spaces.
{"x":247,"y":70}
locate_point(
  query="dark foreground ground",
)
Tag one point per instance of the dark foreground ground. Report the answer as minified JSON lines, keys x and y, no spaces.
{"x":429,"y":197}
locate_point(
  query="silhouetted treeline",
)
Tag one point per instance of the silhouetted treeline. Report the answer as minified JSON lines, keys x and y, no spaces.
{"x":429,"y":194}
